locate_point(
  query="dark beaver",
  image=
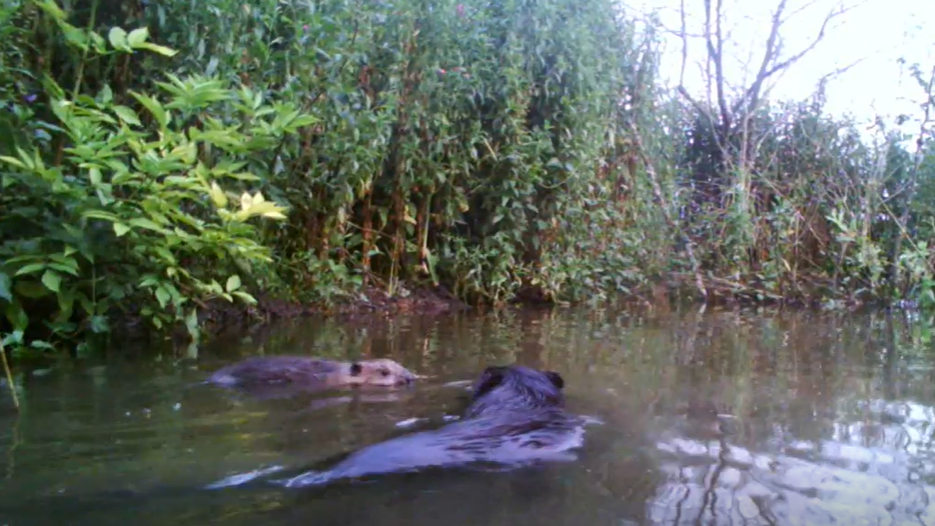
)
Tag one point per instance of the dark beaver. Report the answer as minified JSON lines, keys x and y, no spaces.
{"x":312,"y":372}
{"x":516,"y":416}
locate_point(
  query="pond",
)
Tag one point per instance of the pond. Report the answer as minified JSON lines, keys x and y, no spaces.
{"x":709,"y":417}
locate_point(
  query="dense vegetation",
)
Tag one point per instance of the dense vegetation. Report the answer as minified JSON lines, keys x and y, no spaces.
{"x":310,"y":150}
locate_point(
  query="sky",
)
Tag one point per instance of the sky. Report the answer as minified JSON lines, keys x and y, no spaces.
{"x":877,"y":31}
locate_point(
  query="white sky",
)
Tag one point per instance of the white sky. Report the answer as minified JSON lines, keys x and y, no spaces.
{"x":881,"y":31}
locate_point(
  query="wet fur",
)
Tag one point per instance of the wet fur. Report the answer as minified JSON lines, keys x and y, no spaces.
{"x":516,"y":416}
{"x":311,"y":372}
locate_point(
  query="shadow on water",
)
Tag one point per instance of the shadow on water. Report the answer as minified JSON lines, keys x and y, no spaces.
{"x":723,"y":417}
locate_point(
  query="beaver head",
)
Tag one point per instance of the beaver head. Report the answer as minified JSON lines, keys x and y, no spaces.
{"x":514,"y":387}
{"x":382,"y":372}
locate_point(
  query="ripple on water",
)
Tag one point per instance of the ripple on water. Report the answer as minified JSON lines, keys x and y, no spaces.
{"x":720,"y":417}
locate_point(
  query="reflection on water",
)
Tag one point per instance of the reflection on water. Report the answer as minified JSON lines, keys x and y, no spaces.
{"x":723,"y":417}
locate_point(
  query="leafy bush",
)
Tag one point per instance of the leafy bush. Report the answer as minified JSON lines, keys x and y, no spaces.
{"x":134,"y":216}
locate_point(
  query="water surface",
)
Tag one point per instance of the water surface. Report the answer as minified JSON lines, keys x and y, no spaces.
{"x":716,"y":417}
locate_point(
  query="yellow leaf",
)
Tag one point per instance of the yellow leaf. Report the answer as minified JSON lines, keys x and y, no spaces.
{"x":246,"y":201}
{"x":407,"y":215}
{"x":217,"y":195}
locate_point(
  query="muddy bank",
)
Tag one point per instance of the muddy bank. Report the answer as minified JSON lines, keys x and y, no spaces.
{"x":369,"y":305}
{"x":219,"y":317}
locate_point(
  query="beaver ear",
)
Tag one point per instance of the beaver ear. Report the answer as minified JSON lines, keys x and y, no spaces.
{"x":356,"y":369}
{"x":491,"y":378}
{"x":556,"y":379}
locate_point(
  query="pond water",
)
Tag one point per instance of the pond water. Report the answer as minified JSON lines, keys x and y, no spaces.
{"x":714,"y":417}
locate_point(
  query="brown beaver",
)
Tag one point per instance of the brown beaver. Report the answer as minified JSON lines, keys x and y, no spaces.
{"x":310,"y":372}
{"x":516,"y":416}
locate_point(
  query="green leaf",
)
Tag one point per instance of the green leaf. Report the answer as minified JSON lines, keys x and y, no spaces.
{"x":52,"y":280}
{"x":14,"y":338}
{"x":162,"y":50}
{"x":127,"y":115}
{"x":63,"y":268}
{"x":120,"y":229}
{"x":118,"y":38}
{"x":148,"y":280}
{"x":5,"y":283}
{"x":52,"y":9}
{"x":95,"y":175}
{"x":99,"y":324}
{"x":245,"y":297}
{"x":75,"y":36}
{"x":66,"y":303}
{"x":87,"y":305}
{"x":100,"y":214}
{"x":17,"y":316}
{"x":137,"y":37}
{"x":154,"y":107}
{"x":162,"y":296}
{"x":30,"y":289}
{"x":142,"y":222}
{"x":98,"y":42}
{"x":41,"y":344}
{"x":106,"y":94}
{"x":29,"y":269}
{"x":12,"y":160}
{"x":233,"y":283}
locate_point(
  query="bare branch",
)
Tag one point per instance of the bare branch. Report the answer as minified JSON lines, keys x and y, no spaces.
{"x":715,"y":46}
{"x":823,"y":80}
{"x":771,"y":65}
{"x":749,"y":99}
{"x":684,"y":46}
{"x":663,"y":28}
{"x":719,"y":67}
{"x":705,"y":70}
{"x":792,"y":15}
{"x":834,"y":13}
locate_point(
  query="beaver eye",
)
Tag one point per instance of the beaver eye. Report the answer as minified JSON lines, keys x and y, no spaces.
{"x":384,"y":372}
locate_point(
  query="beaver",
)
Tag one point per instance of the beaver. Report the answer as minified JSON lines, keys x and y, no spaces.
{"x":516,"y":416}
{"x":309,"y":372}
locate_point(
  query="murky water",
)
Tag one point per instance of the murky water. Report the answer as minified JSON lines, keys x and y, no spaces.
{"x":721,"y":417}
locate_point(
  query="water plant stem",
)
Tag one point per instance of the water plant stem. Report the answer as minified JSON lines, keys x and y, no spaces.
{"x":9,"y":376}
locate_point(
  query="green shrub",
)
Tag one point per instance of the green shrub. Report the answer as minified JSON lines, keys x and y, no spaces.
{"x":137,"y":214}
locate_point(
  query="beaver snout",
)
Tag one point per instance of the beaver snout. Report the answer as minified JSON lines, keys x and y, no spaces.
{"x":412,"y":379}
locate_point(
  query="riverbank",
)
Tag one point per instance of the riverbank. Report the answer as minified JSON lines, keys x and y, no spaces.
{"x":373,"y":305}
{"x":369,"y":302}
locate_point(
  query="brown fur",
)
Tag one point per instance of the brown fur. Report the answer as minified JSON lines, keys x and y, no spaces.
{"x":313,"y":372}
{"x":516,"y":417}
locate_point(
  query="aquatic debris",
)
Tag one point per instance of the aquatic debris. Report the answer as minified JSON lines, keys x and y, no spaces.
{"x":241,"y":478}
{"x":309,"y":478}
{"x":409,"y":422}
{"x":460,"y":383}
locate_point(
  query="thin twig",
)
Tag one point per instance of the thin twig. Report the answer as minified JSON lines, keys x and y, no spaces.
{"x":9,"y":376}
